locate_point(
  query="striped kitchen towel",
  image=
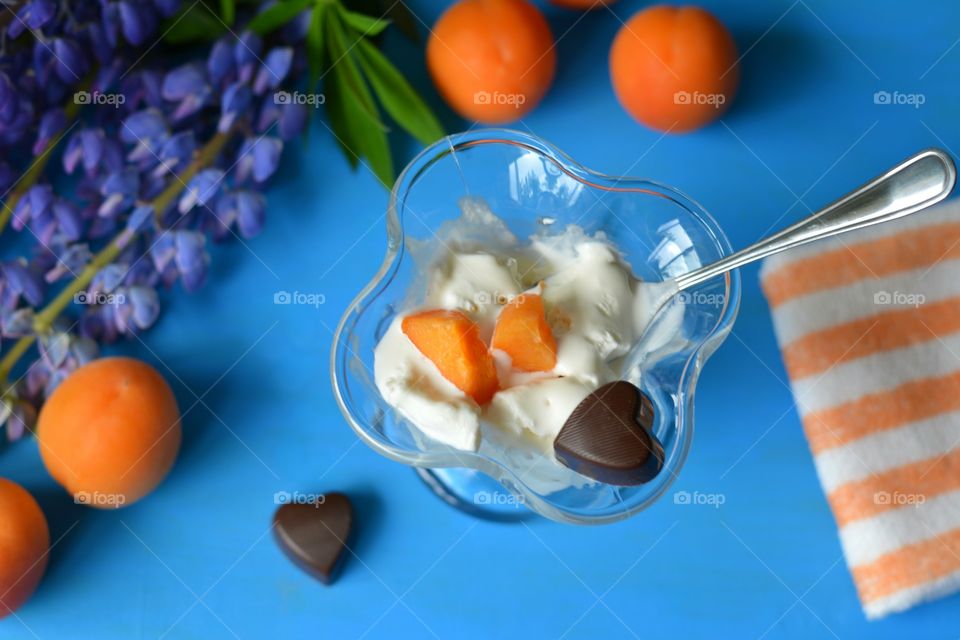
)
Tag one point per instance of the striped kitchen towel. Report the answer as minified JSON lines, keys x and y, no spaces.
{"x":869,"y":327}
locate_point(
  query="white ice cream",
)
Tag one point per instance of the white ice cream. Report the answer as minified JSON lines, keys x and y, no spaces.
{"x":596,"y":309}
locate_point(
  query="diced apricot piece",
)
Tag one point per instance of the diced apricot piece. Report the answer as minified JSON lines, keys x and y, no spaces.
{"x":452,"y":342}
{"x":522,"y":333}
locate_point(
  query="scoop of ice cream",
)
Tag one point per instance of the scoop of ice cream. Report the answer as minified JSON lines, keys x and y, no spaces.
{"x":590,"y":291}
{"x":540,"y":407}
{"x":476,"y":283}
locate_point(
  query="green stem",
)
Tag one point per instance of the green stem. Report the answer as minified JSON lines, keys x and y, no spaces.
{"x":44,"y":319}
{"x":32,"y":174}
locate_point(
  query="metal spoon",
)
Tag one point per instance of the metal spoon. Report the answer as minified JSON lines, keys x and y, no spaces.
{"x":915,"y":184}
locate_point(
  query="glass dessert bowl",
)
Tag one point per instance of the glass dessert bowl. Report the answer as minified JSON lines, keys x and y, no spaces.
{"x":536,"y":190}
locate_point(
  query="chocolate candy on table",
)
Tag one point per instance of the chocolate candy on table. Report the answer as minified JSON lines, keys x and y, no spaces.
{"x":314,"y":535}
{"x":609,"y":437}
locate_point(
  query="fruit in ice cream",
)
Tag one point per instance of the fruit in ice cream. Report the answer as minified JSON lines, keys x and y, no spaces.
{"x":522,"y":332}
{"x":451,"y":341}
{"x":503,"y":338}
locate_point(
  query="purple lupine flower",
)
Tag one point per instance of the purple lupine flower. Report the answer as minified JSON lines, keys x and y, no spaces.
{"x":191,"y":258}
{"x":110,"y":19}
{"x":274,"y":69}
{"x":32,"y":206}
{"x":224,"y":215}
{"x":91,"y":143}
{"x":147,"y":131}
{"x":266,"y":157}
{"x":68,"y":219}
{"x":71,"y":261}
{"x":290,"y":118}
{"x":119,"y":191}
{"x":246,"y":54}
{"x":108,"y":279}
{"x":250,"y":213}
{"x":54,"y":349}
{"x":162,"y":251}
{"x":137,"y":21}
{"x":70,"y":61}
{"x":258,"y":157}
{"x":23,"y":281}
{"x":176,"y":153}
{"x":99,"y":43}
{"x":23,"y":416}
{"x":17,"y":323}
{"x":187,"y":84}
{"x":9,"y":99}
{"x":201,"y":189}
{"x":220,"y":63}
{"x":236,"y":100}
{"x":51,"y":123}
{"x":144,"y":305}
{"x":32,"y":15}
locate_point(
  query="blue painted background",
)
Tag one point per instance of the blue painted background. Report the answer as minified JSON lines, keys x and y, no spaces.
{"x":196,"y":559}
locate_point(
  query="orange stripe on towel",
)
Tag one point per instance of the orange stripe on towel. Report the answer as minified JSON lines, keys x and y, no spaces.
{"x":912,"y":249}
{"x":819,"y":351}
{"x":910,"y":484}
{"x":910,"y":402}
{"x":909,"y":566}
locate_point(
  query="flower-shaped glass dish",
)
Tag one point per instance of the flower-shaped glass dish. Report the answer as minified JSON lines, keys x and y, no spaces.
{"x":535,"y":188}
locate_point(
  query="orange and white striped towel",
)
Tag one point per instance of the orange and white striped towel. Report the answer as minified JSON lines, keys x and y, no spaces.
{"x":869,"y":327}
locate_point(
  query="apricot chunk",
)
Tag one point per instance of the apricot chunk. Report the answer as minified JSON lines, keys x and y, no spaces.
{"x":452,"y":342}
{"x":522,"y":333}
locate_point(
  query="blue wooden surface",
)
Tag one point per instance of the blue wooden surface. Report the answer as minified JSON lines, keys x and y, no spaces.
{"x":196,"y":559}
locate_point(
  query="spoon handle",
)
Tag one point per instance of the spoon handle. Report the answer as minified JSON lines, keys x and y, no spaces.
{"x":916,"y":183}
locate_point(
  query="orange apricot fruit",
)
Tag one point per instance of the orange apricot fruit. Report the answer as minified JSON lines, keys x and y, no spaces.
{"x":452,"y":341}
{"x":674,"y":68}
{"x":492,"y":60}
{"x":522,"y":333}
{"x":24,"y":544}
{"x":110,"y":432}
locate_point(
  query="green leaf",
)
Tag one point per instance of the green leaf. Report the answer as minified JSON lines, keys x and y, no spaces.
{"x":228,"y":11}
{"x":277,"y":15}
{"x":315,"y":56}
{"x":352,"y":113}
{"x":398,"y":98}
{"x":342,"y":60}
{"x":193,"y":23}
{"x":359,"y":135}
{"x":367,"y":25}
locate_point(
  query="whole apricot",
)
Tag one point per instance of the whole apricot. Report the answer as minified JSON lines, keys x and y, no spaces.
{"x":674,"y":68}
{"x":24,"y":544}
{"x":110,"y":432}
{"x":492,"y":60}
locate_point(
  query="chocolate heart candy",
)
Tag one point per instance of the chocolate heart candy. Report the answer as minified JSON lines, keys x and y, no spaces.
{"x":315,"y":534}
{"x":609,"y":437}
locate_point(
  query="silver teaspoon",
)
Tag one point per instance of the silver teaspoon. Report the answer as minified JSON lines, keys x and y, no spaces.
{"x":916,"y":183}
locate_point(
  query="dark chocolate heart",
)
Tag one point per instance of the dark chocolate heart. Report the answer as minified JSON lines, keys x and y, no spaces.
{"x":609,"y":437}
{"x":314,"y":534}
